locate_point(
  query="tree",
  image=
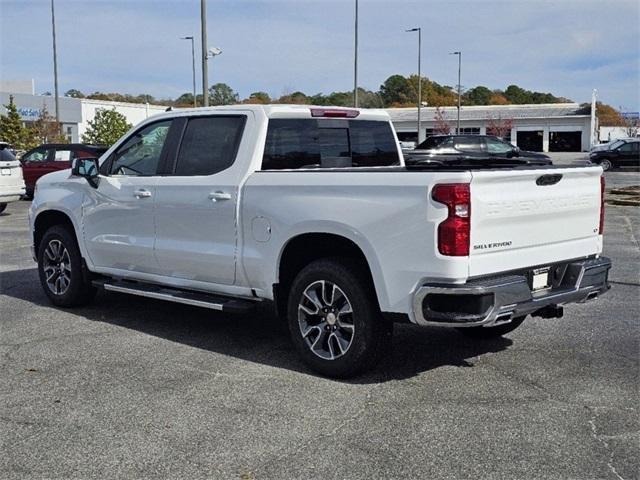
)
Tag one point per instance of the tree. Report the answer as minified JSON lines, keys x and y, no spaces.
{"x":497,"y":98}
{"x":441,"y":126}
{"x":73,"y":93}
{"x":184,"y":100}
{"x":106,"y":127}
{"x":479,"y":95}
{"x":515,"y":94}
{"x":45,"y":130}
{"x":12,"y":129}
{"x":260,"y":98}
{"x":499,"y":126}
{"x":222,"y":94}
{"x":297,"y":98}
{"x":396,"y":90}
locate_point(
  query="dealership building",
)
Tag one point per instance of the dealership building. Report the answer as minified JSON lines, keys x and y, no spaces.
{"x":75,"y":113}
{"x":557,"y":127}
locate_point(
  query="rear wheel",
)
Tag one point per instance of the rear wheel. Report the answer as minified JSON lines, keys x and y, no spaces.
{"x":3,"y":206}
{"x":334,"y":319}
{"x":60,"y":269}
{"x":492,"y":332}
{"x":606,"y":164}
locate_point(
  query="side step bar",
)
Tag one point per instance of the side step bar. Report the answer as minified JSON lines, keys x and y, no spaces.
{"x":176,"y":295}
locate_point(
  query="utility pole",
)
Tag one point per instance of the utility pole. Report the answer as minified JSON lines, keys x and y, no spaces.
{"x":355,"y":63}
{"x":419,"y":30}
{"x":193,"y":66}
{"x":205,"y":73}
{"x":459,"y":54}
{"x":593,"y":137}
{"x":55,"y":62}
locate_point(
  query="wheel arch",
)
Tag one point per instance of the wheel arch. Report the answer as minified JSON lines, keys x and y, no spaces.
{"x":48,"y":219}
{"x":305,"y":248}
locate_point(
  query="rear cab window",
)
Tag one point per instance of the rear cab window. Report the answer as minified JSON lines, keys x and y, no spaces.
{"x":329,"y":143}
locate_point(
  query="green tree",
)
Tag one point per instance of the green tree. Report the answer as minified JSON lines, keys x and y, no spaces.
{"x":184,"y":100}
{"x":479,"y":95}
{"x":260,"y":98}
{"x":515,"y":94}
{"x":73,"y":93}
{"x":222,"y":94}
{"x":12,"y":129}
{"x":106,"y":127}
{"x":396,"y":90}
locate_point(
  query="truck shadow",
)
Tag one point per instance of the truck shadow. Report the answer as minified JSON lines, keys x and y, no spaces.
{"x":260,"y":337}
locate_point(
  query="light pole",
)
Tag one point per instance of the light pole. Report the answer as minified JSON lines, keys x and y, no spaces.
{"x":203,"y":34}
{"x":193,"y":66}
{"x":459,"y":54}
{"x":55,"y":62}
{"x":355,"y":62}
{"x":419,"y":30}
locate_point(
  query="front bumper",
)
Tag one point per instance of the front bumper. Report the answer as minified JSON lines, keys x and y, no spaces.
{"x":499,"y":299}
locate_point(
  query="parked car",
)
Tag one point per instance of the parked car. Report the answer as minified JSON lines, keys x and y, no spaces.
{"x":11,"y":181}
{"x":51,"y":157}
{"x":312,"y":211}
{"x":472,"y":146}
{"x":623,"y":152}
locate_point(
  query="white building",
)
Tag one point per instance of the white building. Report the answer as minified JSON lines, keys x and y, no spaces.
{"x":539,"y":127}
{"x":75,"y":113}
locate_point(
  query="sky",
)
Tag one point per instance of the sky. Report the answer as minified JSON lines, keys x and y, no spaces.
{"x":565,"y":47}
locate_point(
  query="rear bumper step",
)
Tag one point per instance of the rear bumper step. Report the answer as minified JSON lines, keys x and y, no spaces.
{"x":496,"y":300}
{"x":187,"y":297}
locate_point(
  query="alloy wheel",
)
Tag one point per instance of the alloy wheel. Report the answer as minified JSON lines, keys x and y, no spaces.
{"x":325,"y":317}
{"x":57,"y":267}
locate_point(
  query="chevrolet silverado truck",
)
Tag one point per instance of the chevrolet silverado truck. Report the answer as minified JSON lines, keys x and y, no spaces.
{"x":311,"y":210}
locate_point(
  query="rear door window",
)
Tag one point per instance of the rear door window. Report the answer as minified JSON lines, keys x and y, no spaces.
{"x":209,"y":145}
{"x":468,"y":144}
{"x":319,"y":143}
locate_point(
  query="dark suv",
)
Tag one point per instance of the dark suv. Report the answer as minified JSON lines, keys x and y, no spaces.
{"x":52,"y":157}
{"x":618,"y":154}
{"x":469,"y":147}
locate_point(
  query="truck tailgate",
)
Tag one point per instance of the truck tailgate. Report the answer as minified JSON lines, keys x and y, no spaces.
{"x":523,"y":218}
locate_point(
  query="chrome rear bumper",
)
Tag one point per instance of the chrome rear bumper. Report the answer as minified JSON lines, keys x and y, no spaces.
{"x":498,"y":299}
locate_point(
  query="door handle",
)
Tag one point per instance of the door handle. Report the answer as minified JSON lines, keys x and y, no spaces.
{"x":142,"y":193}
{"x":215,"y":196}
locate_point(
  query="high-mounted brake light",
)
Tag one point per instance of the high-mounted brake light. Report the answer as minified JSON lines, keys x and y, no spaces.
{"x":334,"y":112}
{"x":455,"y":231}
{"x":601,"y":227}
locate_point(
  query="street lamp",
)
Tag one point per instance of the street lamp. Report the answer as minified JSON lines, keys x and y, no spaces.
{"x":55,"y":62}
{"x":193,"y":66}
{"x":419,"y":30}
{"x":212,"y":52}
{"x":203,"y":38}
{"x":355,"y":62}
{"x":459,"y":54}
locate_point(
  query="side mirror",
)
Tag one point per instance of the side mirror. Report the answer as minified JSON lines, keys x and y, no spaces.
{"x":87,"y":168}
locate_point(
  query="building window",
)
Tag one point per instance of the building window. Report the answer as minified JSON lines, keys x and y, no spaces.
{"x":69,"y":130}
{"x":469,"y":131}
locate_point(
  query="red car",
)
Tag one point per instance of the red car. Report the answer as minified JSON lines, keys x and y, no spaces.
{"x":52,"y":157}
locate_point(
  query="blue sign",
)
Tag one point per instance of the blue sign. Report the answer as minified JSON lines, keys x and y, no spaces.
{"x":28,"y":113}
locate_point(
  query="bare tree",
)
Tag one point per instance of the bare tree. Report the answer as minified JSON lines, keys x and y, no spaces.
{"x":441,"y":126}
{"x":499,"y":127}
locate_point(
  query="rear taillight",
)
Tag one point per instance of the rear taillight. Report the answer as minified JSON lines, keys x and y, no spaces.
{"x":601,"y":227}
{"x":334,"y":112}
{"x":454,"y":233}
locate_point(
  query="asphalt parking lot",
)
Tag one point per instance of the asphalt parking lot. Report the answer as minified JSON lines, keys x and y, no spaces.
{"x":135,"y":388}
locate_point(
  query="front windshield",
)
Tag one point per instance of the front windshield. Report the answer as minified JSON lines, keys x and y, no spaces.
{"x":616,"y":144}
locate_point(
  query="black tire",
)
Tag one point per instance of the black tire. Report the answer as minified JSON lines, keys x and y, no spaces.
{"x":370,"y":334}
{"x":79,"y":290}
{"x":606,"y":164}
{"x":3,"y":206}
{"x":492,"y":332}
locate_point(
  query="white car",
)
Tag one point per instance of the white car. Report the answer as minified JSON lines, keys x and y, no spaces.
{"x":311,"y":210}
{"x":12,"y":185}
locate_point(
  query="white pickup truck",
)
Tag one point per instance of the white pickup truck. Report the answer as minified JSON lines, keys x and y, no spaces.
{"x":312,"y":210}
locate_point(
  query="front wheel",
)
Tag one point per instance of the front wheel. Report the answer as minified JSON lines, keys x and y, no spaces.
{"x":334,"y":319}
{"x":492,"y":332}
{"x":60,"y":269}
{"x":606,"y":164}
